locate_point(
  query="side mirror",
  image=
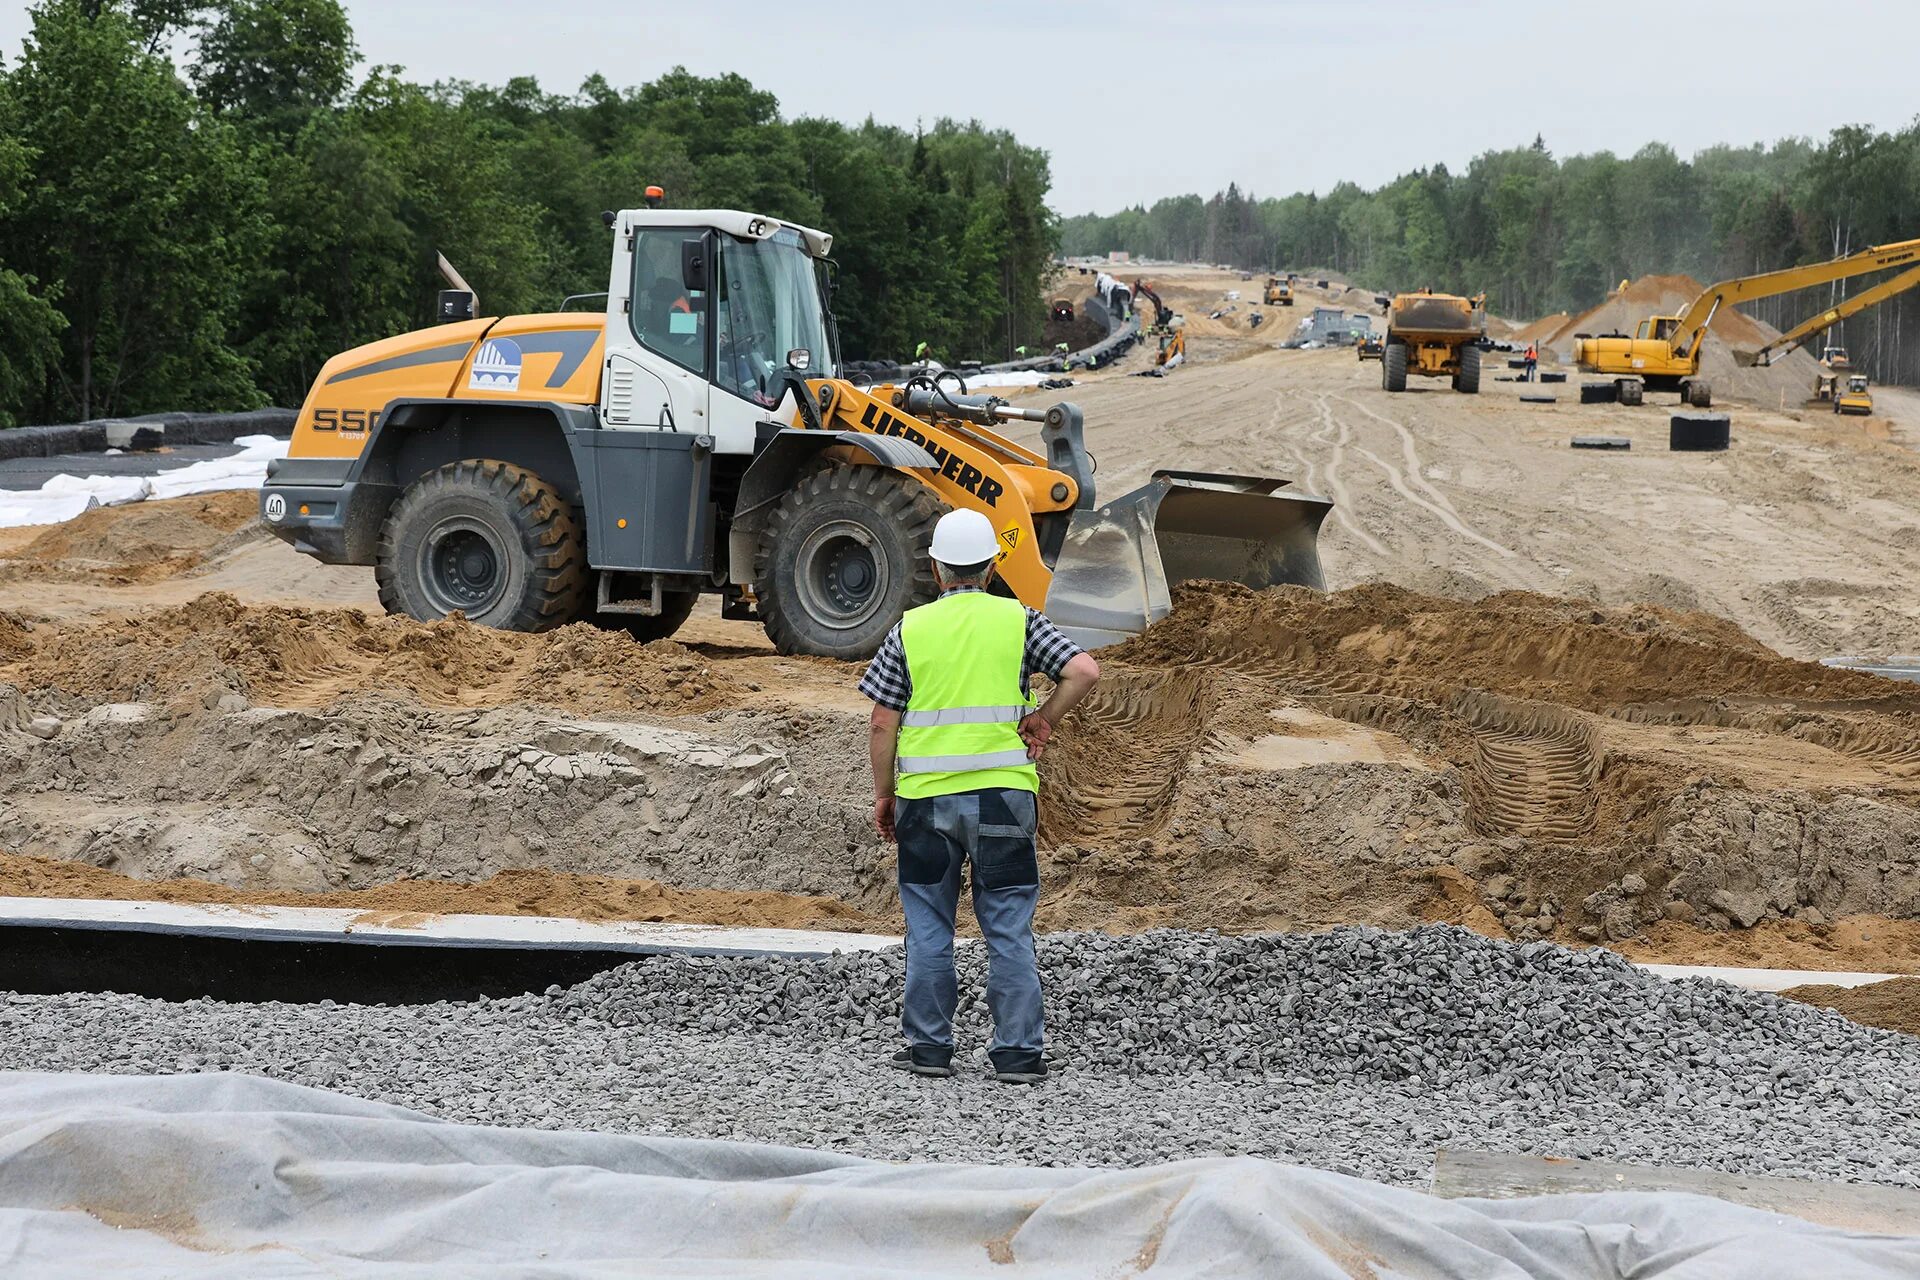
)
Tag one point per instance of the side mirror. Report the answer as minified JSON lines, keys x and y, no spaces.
{"x":693,"y":265}
{"x":800,"y":359}
{"x":455,"y":305}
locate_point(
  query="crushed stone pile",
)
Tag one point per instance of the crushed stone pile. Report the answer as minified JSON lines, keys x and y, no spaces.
{"x":1356,"y":1050}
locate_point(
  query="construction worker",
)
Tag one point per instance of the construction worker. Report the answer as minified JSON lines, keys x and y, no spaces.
{"x":953,"y":740}
{"x":1532,"y":358}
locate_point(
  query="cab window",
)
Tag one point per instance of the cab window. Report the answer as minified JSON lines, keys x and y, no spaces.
{"x":668,"y":318}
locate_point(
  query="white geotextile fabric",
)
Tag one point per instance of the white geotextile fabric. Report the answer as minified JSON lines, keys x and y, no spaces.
{"x":229,"y":1175}
{"x":64,"y":496}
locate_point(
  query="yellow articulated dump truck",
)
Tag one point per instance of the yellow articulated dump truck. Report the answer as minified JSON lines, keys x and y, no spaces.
{"x":1279,"y":292}
{"x":694,"y":437}
{"x":1434,"y":335}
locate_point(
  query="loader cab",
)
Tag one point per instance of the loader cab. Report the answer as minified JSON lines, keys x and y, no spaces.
{"x":704,"y":308}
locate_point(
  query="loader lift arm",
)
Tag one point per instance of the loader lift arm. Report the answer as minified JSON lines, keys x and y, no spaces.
{"x":1825,"y":320}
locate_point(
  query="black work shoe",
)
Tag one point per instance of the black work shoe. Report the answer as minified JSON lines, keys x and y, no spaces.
{"x":924,"y":1060}
{"x":1020,"y":1068}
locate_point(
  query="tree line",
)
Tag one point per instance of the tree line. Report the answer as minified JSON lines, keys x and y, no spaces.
{"x":199,"y":204}
{"x":1541,"y":235}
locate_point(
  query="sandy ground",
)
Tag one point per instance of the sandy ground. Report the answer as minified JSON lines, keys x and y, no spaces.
{"x":1577,"y":716}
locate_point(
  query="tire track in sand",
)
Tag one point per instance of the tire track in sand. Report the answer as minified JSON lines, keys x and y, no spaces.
{"x":1336,"y":486}
{"x":1404,"y":482}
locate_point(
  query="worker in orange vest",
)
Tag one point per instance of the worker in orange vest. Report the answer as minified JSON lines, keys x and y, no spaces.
{"x":1532,"y":358}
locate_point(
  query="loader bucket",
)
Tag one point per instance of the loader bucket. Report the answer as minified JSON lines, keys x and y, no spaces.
{"x":1121,"y":560}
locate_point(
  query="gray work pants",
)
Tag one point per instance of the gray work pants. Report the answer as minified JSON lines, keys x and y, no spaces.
{"x":994,"y":830}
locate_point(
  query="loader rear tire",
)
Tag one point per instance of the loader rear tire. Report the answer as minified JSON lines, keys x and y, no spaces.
{"x":1467,"y":382}
{"x":488,"y":539}
{"x":1393,"y":367}
{"x":844,"y":554}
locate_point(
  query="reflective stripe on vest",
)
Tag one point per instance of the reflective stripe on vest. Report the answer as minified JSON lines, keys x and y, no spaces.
{"x":965,"y":715}
{"x":960,"y":730}
{"x":957,"y":764}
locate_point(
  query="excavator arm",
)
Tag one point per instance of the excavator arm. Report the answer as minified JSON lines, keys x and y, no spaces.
{"x":1824,"y":320}
{"x":1692,"y":329}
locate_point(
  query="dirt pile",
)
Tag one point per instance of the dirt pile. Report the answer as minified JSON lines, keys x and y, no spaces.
{"x":1381,"y":639}
{"x":143,"y":542}
{"x":1789,"y":379}
{"x":1894,"y":1005}
{"x":525,"y":892}
{"x":290,"y":657}
{"x":1599,"y":771}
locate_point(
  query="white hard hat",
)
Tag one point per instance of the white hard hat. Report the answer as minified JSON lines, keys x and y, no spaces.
{"x":964,"y":538}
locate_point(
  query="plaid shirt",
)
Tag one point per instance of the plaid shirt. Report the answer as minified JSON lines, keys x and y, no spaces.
{"x":888,"y":683}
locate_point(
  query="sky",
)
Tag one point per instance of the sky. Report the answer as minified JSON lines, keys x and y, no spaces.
{"x":1135,"y":101}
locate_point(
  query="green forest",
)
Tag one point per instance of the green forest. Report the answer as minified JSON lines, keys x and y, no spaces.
{"x":200,"y":203}
{"x":1541,"y":234}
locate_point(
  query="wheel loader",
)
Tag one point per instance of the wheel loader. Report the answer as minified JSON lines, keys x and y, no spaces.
{"x":1433,"y":335}
{"x":695,"y":437}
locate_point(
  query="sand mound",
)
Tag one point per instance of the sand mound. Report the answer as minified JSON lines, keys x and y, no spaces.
{"x":1789,"y":379}
{"x":1380,"y":638}
{"x":146,"y":531}
{"x":307,"y":657}
{"x":1894,"y":1005}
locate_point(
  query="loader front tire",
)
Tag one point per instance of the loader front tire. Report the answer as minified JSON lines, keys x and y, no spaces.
{"x":1467,"y":381}
{"x":1393,"y":367}
{"x":844,"y":554}
{"x":488,"y":539}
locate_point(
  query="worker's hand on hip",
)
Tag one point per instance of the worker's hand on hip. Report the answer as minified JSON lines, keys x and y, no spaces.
{"x":883,"y":818}
{"x":1034,"y":731}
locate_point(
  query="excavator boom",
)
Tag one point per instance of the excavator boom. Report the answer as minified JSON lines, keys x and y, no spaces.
{"x":1691,"y":331}
{"x":1825,"y":320}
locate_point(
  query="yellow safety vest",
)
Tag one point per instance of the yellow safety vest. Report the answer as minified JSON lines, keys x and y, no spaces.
{"x":961,"y":728}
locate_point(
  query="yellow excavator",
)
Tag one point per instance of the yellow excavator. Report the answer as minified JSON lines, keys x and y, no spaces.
{"x":1664,"y":353}
{"x":695,"y":437}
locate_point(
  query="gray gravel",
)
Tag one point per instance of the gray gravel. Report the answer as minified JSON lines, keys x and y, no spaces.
{"x":1357,"y":1050}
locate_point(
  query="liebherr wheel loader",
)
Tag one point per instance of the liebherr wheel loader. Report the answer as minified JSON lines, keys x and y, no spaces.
{"x":531,"y":471}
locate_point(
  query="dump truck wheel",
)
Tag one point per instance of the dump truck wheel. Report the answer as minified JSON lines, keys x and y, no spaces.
{"x":488,"y":539}
{"x":1467,"y":382}
{"x":1393,"y":367}
{"x":845,"y":553}
{"x":674,"y":608}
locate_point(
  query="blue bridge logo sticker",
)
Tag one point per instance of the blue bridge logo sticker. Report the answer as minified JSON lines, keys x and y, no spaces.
{"x":497,"y":367}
